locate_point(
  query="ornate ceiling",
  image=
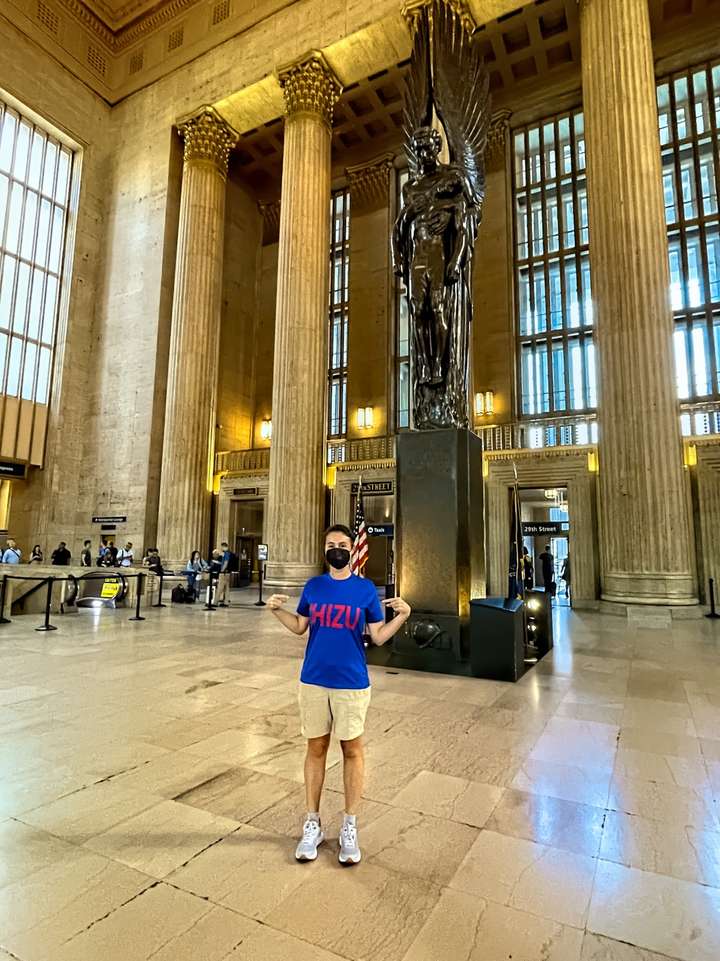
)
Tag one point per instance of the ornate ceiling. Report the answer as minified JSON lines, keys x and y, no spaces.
{"x":529,"y":52}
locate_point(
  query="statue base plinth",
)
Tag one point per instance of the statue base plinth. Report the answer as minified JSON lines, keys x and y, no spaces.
{"x":439,"y":551}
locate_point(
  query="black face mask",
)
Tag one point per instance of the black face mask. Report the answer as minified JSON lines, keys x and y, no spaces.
{"x":338,"y":557}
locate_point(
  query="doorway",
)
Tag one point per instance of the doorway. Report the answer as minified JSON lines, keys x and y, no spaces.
{"x":546,"y":523}
{"x":246,"y":532}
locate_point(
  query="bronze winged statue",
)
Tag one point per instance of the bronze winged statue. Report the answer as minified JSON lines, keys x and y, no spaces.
{"x":434,"y":235}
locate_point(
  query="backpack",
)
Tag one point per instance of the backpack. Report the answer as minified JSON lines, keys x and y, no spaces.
{"x":178,"y":594}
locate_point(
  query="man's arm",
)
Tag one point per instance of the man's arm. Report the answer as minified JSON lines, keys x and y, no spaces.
{"x":293,"y":622}
{"x":381,"y":632}
{"x":399,"y":235}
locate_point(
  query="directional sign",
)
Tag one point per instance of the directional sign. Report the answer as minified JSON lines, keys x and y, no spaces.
{"x":111,"y":519}
{"x":380,"y":530}
{"x":262,"y":552}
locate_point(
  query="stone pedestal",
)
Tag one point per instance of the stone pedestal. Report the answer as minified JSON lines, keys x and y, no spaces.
{"x":440,"y":552}
{"x":645,"y":534}
{"x":188,"y":443}
{"x":295,"y":503}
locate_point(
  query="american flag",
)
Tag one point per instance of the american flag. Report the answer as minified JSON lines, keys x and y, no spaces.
{"x":359,"y":552}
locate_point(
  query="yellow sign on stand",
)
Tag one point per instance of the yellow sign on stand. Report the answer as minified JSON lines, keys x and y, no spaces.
{"x":110,"y":588}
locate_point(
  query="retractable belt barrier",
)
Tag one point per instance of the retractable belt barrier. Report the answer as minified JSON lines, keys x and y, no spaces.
{"x":73,"y":579}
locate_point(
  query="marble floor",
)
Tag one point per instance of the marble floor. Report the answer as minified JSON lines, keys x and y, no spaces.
{"x":151,"y":795}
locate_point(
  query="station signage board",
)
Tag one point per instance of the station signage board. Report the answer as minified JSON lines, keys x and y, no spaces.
{"x":10,"y":469}
{"x":110,"y":519}
{"x":262,"y":550}
{"x":380,"y":530}
{"x":537,"y":528}
{"x":373,"y":487}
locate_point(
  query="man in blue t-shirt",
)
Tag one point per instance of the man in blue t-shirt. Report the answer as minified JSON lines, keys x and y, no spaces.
{"x":334,"y":682}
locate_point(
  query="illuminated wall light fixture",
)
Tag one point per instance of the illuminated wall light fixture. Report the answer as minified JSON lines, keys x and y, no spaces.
{"x":266,"y":429}
{"x":364,"y":417}
{"x":485,"y":403}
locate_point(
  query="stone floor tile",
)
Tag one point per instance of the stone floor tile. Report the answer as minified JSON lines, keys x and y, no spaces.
{"x":162,"y":838}
{"x":362,"y":912}
{"x":675,"y":918}
{"x":456,"y":799}
{"x":164,"y":924}
{"x":463,"y":926}
{"x":251,"y":872}
{"x":663,"y":847}
{"x":531,"y":877}
{"x":50,"y":906}
{"x":412,"y":843}
{"x":239,"y":793}
{"x":549,"y":820}
{"x":581,"y":784}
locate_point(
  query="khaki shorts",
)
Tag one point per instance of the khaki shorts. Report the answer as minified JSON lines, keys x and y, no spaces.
{"x":326,"y":709}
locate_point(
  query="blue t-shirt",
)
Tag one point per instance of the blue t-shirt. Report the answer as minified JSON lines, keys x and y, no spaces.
{"x":11,"y":555}
{"x":338,"y":611}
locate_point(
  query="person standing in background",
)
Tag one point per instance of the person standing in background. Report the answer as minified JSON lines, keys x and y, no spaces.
{"x":548,"y":569}
{"x":12,"y":553}
{"x":37,"y":555}
{"x":86,"y":555}
{"x":61,"y":556}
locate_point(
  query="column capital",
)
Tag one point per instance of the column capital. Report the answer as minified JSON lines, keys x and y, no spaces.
{"x":411,"y":11}
{"x":309,"y":85}
{"x":208,"y":138}
{"x":497,"y":139}
{"x":369,"y":183}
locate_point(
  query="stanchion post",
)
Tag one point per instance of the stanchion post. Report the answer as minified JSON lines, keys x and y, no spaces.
{"x":138,"y":592}
{"x":47,"y":626}
{"x":3,"y":596}
{"x":713,"y":615}
{"x":160,"y":590}
{"x":261,"y":568}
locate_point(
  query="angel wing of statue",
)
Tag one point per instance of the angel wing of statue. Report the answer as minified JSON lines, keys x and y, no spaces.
{"x":461,"y":95}
{"x":418,"y":100}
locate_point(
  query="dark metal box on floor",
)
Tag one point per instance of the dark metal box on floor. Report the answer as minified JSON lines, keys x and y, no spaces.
{"x":497,"y":638}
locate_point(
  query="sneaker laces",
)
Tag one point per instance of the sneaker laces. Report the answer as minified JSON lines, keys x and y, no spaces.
{"x":310,"y":829}
{"x":349,"y":835}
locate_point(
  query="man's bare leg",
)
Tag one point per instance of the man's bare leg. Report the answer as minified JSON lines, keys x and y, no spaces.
{"x":315,"y":760}
{"x":353,"y":772}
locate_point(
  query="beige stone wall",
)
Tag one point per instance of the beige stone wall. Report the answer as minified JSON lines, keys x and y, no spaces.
{"x":241,"y":266}
{"x":53,"y":503}
{"x":493,"y":347}
{"x":371,"y":321}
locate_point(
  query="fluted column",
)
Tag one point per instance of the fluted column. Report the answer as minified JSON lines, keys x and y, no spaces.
{"x":645,"y":529}
{"x":189,"y":439}
{"x":295,"y":501}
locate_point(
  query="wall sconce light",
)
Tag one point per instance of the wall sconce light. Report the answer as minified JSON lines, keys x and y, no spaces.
{"x":364,"y":417}
{"x":593,"y":465}
{"x":690,"y":455}
{"x":485,"y":403}
{"x":266,"y":429}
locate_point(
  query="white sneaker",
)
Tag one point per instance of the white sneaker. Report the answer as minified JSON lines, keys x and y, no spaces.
{"x":310,"y":841}
{"x":349,"y":849}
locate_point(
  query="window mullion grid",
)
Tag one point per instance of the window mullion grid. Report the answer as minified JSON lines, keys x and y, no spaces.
{"x":546,"y":272}
{"x":702,"y":228}
{"x":578,"y":248}
{"x":682,"y":230}
{"x":561,"y":256}
{"x":530,"y":239}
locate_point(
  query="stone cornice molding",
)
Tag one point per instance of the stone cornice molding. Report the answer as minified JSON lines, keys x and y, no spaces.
{"x":369,"y":183}
{"x":353,"y":467}
{"x":497,"y":139}
{"x":116,"y":40}
{"x":310,"y":86}
{"x":208,"y":137}
{"x":411,"y":11}
{"x":568,"y":452}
